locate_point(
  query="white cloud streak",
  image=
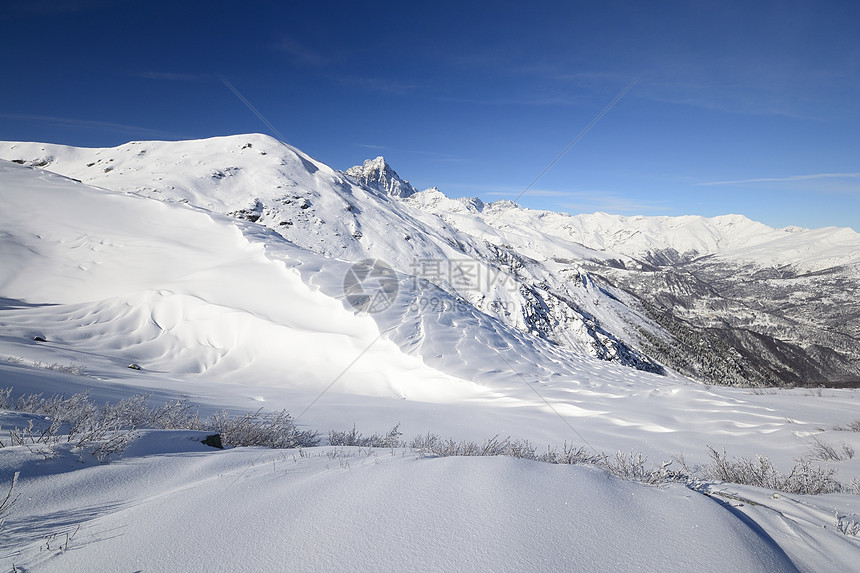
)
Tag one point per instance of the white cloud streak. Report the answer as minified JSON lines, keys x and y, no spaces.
{"x":73,"y":123}
{"x":790,"y":179}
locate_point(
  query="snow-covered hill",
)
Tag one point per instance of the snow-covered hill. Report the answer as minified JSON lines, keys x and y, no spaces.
{"x":257,"y":178}
{"x":724,"y":300}
{"x":330,"y":509}
{"x":228,"y":306}
{"x":231,"y":314}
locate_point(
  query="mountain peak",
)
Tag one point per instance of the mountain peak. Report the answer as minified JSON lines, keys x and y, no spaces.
{"x":378,"y":174}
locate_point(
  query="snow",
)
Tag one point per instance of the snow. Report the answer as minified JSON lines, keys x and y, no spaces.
{"x":233,"y":315}
{"x":171,"y":288}
{"x":377,"y":174}
{"x":536,"y":256}
{"x":174,"y":506}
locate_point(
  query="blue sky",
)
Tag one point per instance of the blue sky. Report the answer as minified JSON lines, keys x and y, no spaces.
{"x":747,"y":107}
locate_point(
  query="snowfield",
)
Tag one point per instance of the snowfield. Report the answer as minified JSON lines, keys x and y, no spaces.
{"x":218,"y":308}
{"x":719,"y":299}
{"x":165,"y":507}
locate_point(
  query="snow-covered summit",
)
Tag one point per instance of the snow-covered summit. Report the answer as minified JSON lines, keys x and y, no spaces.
{"x":578,"y":281}
{"x":378,"y":174}
{"x":259,"y":179}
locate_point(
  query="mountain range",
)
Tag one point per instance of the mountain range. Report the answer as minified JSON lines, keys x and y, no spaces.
{"x":722,"y":300}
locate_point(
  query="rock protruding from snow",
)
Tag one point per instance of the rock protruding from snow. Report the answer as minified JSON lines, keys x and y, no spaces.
{"x":378,"y":174}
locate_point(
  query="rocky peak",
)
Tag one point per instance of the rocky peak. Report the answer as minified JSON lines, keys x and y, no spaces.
{"x":378,"y":174}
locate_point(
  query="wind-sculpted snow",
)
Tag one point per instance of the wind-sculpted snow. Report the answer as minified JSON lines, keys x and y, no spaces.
{"x":258,"y":179}
{"x":111,"y":279}
{"x":725,"y":300}
{"x":171,"y":505}
{"x":736,"y":301}
{"x":445,"y":331}
{"x":180,"y":291}
{"x":188,"y":293}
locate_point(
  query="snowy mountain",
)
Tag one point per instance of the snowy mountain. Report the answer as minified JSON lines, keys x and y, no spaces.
{"x":259,"y":179}
{"x":492,"y":320}
{"x":724,"y":300}
{"x":377,"y":174}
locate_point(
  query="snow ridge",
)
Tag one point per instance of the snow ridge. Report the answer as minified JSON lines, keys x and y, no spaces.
{"x":641,"y":291}
{"x":378,"y":174}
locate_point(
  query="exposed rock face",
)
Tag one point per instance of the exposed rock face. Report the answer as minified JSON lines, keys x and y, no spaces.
{"x":377,"y":174}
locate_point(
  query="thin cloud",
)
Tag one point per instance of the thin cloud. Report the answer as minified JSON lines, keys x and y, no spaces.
{"x":524,"y":100}
{"x":580,"y":201}
{"x":740,"y":101}
{"x":378,"y":85}
{"x":174,"y":77}
{"x":435,"y":156}
{"x":489,"y":190}
{"x":739,"y":86}
{"x":449,"y":159}
{"x":55,"y":6}
{"x":612,"y":204}
{"x":74,"y":123}
{"x":532,"y":193}
{"x":510,"y":190}
{"x":790,"y":179}
{"x":591,"y":201}
{"x":301,"y":54}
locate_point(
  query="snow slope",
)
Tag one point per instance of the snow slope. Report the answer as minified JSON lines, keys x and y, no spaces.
{"x":641,"y":291}
{"x":169,"y":505}
{"x":234,"y":316}
{"x":203,"y":301}
{"x":727,"y":237}
{"x":179,"y":290}
{"x":221,"y":308}
{"x":257,"y":178}
{"x":226,"y":174}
